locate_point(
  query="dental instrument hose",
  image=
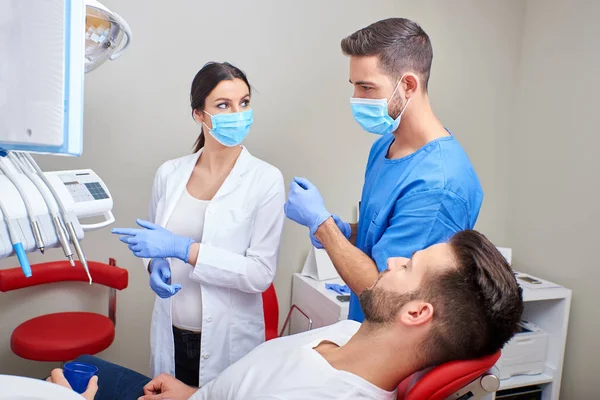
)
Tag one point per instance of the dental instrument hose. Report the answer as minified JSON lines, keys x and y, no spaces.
{"x":33,"y":219}
{"x":28,"y":170}
{"x":16,"y":241}
{"x":65,"y":215}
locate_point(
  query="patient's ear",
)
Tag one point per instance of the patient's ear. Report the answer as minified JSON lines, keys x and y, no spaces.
{"x":416,"y":313}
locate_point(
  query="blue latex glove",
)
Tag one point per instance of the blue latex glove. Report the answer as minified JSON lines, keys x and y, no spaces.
{"x":305,"y":205}
{"x":160,"y":278}
{"x":154,"y":242}
{"x":344,"y":227}
{"x":339,"y":289}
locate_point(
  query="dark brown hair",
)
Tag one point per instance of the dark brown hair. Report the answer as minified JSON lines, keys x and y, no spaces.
{"x":477,"y":305}
{"x":205,"y":81}
{"x":400,"y":44}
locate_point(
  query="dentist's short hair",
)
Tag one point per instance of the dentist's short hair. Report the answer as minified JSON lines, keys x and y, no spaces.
{"x":400,"y":44}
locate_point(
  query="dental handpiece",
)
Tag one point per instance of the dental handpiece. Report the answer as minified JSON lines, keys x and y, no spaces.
{"x":78,"y":249}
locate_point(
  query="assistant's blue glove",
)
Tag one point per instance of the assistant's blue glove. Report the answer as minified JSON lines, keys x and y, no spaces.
{"x":160,"y":278}
{"x":154,"y":242}
{"x":305,"y":205}
{"x":344,"y":227}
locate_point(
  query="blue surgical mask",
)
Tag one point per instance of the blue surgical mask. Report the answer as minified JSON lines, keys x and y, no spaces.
{"x":373,"y":116}
{"x":230,"y":129}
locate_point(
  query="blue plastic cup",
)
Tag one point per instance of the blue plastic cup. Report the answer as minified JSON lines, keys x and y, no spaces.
{"x":79,"y":374}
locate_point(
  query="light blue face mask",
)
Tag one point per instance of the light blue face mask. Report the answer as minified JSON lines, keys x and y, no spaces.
{"x":230,"y":129}
{"x":373,"y":116}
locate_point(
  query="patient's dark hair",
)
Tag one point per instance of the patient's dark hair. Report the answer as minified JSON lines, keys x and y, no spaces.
{"x":205,"y":81}
{"x":477,"y":305}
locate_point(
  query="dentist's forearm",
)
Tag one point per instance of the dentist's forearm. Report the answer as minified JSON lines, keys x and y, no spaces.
{"x":355,"y":267}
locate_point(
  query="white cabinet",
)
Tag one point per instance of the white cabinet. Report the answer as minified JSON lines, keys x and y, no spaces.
{"x":320,"y":304}
{"x":546,"y":305}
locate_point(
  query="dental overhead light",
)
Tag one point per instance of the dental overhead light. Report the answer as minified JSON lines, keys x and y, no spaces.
{"x":107,"y":35}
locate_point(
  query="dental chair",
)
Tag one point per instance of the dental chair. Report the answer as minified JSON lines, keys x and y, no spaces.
{"x":271,"y":312}
{"x":65,"y":336}
{"x":458,"y":380}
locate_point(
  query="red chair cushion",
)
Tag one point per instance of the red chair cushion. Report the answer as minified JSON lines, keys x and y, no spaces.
{"x":271,"y":313}
{"x":62,"y":336}
{"x":446,"y":379}
{"x":271,"y":334}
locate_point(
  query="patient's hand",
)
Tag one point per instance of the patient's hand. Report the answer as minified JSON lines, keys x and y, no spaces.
{"x":57,"y":377}
{"x":167,"y":387}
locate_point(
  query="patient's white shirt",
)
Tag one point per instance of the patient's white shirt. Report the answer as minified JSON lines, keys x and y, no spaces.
{"x":289,"y":368}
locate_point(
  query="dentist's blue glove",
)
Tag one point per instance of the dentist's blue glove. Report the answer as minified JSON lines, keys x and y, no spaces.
{"x":160,"y":278}
{"x":344,"y":227}
{"x":155,"y":242}
{"x":305,"y":205}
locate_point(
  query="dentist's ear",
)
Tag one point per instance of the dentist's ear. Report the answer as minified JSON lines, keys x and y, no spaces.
{"x":198,"y":116}
{"x":410,"y":83}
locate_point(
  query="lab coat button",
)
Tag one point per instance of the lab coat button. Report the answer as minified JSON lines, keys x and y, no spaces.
{"x":209,"y":319}
{"x":206,"y":356}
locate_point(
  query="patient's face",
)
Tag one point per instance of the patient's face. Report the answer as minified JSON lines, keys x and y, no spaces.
{"x":401,"y":282}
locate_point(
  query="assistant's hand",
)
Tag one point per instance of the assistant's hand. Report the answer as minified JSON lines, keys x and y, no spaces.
{"x":344,"y":227}
{"x":167,"y":387}
{"x":305,"y":205}
{"x":57,"y":377}
{"x":160,"y":278}
{"x":154,"y":242}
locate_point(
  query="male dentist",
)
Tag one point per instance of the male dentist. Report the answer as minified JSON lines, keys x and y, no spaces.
{"x":420,"y":187}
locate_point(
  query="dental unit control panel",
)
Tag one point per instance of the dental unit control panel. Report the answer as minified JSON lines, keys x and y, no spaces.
{"x":72,"y":195}
{"x":89,"y":195}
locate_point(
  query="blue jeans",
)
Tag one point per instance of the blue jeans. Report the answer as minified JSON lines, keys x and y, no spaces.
{"x":116,"y":382}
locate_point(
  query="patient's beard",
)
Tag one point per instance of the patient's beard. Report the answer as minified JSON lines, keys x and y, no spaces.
{"x":382,"y":306}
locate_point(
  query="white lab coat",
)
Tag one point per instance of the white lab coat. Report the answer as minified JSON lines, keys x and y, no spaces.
{"x":236,"y":262}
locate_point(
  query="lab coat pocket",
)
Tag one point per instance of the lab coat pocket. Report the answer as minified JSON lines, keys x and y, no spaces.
{"x":236,"y":227}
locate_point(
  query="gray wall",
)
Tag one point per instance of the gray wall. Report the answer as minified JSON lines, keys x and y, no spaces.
{"x":553,"y":209}
{"x":137,"y":116}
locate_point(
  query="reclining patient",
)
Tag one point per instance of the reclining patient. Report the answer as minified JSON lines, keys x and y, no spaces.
{"x":451,"y":301}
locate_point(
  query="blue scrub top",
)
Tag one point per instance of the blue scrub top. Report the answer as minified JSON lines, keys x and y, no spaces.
{"x":411,"y":203}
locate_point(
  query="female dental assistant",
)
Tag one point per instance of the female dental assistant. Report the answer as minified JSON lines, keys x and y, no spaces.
{"x":212,"y":242}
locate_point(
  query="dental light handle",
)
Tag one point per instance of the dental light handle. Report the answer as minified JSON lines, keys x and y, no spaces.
{"x":109,"y":218}
{"x":128,"y":34}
